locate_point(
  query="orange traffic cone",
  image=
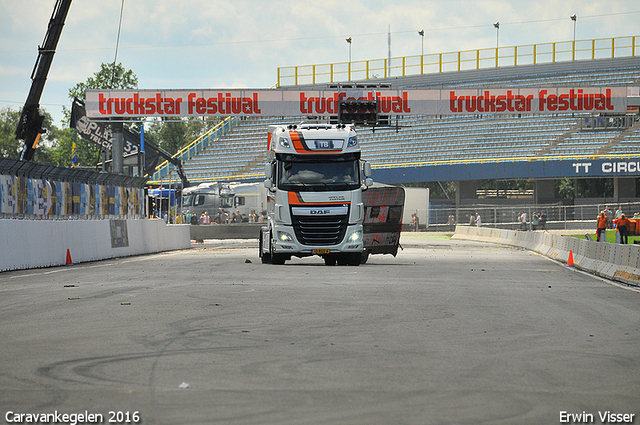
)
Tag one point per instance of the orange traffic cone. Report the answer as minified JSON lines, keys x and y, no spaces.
{"x":570,"y":261}
{"x":69,"y":262}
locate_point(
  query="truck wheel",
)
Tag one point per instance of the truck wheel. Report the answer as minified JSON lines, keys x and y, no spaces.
{"x":265,"y":257}
{"x":364,"y":257}
{"x":354,"y":259}
{"x":278,"y":259}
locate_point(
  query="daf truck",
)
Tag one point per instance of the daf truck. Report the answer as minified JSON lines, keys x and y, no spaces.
{"x":314,"y":181}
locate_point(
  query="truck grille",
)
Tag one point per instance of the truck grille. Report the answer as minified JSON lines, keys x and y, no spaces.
{"x":322,"y":230}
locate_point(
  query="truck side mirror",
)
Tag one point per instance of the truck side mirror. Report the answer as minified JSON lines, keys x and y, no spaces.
{"x":268,"y":183}
{"x":268,"y":171}
{"x":367,"y":169}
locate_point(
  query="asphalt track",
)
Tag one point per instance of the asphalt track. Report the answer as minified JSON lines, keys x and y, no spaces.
{"x":448,"y":332}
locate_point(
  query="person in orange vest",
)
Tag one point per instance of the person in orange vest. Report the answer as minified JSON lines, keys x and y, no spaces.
{"x":601,"y":233}
{"x":622,"y":225}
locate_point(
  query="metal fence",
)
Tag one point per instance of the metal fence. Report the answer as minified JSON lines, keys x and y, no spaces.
{"x":558,"y":216}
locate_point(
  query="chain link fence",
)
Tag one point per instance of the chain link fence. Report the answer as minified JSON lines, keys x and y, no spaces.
{"x":558,"y":216}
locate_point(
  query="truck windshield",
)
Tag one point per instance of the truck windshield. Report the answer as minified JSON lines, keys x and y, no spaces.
{"x":319,"y":175}
{"x":226,"y":202}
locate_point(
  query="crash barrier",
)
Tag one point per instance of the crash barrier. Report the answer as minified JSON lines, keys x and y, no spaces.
{"x":26,"y":244}
{"x":613,"y":261}
{"x":226,"y":231}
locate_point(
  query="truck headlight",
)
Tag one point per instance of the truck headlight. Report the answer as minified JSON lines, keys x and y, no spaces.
{"x":284,"y":236}
{"x":355,"y":236}
{"x":284,"y":142}
{"x":353,"y":140}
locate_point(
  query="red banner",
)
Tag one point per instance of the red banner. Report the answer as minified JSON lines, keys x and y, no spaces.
{"x":266,"y":102}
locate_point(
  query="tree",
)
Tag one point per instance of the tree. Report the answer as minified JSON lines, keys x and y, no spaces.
{"x":106,"y":78}
{"x":110,"y":76}
{"x":9,"y":145}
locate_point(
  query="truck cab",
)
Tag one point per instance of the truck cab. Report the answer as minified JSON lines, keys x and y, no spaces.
{"x":314,"y":181}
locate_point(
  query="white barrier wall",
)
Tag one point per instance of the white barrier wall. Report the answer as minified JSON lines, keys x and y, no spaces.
{"x":613,"y":261}
{"x":26,"y":244}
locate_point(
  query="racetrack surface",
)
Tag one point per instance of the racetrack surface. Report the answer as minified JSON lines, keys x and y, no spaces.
{"x":448,"y":332}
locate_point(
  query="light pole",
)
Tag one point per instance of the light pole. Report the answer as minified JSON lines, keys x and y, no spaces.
{"x":574,"y":18}
{"x":421,"y":33}
{"x":497,"y":27}
{"x":349,"y":64}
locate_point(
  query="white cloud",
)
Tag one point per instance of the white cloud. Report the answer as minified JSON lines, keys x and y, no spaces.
{"x":241,"y":43}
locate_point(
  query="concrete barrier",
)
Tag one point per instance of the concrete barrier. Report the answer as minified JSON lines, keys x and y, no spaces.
{"x":26,"y":244}
{"x":226,"y":231}
{"x":613,"y":261}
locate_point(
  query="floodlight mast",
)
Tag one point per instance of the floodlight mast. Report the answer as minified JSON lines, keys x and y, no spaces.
{"x":29,"y":126}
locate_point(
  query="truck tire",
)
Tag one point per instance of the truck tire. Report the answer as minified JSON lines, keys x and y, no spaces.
{"x":354,"y":259}
{"x":364,"y":257}
{"x":278,"y":259}
{"x":265,"y":257}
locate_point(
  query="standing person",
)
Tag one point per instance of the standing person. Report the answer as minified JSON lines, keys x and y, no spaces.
{"x":622,"y":224}
{"x":543,"y":220}
{"x":609,"y":216}
{"x":601,"y":235}
{"x":478,"y":220}
{"x":535,"y":218}
{"x":523,"y":220}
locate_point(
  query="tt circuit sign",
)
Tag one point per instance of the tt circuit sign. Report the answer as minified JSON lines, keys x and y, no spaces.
{"x":606,"y":168}
{"x":276,"y":102}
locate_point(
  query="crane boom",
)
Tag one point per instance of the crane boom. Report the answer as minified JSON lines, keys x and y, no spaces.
{"x":30,"y":124}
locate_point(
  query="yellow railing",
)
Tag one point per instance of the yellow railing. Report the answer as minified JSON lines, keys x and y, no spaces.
{"x":458,"y":61}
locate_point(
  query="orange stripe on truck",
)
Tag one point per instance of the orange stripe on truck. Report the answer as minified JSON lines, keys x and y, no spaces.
{"x":294,"y":199}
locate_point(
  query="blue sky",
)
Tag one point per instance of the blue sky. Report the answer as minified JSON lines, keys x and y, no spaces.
{"x":241,"y":43}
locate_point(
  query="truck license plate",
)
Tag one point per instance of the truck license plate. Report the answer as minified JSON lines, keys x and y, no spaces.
{"x":321,"y":251}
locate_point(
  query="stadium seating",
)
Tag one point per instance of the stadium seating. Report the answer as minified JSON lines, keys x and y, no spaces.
{"x":446,"y":138}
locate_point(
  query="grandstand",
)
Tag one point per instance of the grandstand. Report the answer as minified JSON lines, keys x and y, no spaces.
{"x":432,"y":148}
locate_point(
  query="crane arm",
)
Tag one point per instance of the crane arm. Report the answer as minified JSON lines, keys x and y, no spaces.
{"x":30,"y":124}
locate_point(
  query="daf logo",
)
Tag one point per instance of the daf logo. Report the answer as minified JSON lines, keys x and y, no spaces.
{"x":319,"y":212}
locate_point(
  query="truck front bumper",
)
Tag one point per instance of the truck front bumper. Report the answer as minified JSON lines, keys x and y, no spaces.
{"x":285,"y":242}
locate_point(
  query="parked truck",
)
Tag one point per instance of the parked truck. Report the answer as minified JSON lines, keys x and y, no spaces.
{"x":315,"y":180}
{"x":230,"y":197}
